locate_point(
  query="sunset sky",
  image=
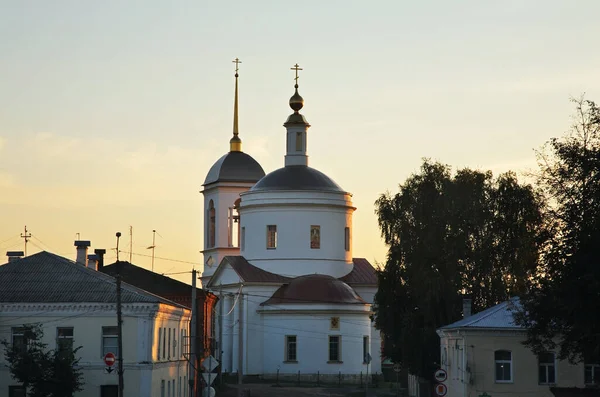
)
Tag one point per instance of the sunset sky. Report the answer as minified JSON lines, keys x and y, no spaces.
{"x":112,"y":112}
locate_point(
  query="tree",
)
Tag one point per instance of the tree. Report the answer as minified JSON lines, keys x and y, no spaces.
{"x":43,"y":372}
{"x":560,"y":310}
{"x":449,"y":236}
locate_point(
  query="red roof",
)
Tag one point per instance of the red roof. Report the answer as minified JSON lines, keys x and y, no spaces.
{"x":362,"y":273}
{"x":315,"y":288}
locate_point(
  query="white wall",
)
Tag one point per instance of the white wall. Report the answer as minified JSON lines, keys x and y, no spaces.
{"x":140,"y":336}
{"x":294,"y":213}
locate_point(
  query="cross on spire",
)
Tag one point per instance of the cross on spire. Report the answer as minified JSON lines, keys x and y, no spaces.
{"x":237,"y":62}
{"x":296,"y":68}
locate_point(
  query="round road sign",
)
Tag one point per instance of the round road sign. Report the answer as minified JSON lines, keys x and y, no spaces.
{"x":397,"y":367}
{"x":441,"y":389}
{"x":109,"y":359}
{"x":440,"y":375}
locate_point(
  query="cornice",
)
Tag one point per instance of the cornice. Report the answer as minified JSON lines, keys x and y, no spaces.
{"x":91,"y":308}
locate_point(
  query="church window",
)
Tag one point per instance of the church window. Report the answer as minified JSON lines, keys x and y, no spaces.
{"x":243,"y":238}
{"x":299,"y":141}
{"x":290,"y":348}
{"x":347,"y":239}
{"x":334,"y":323}
{"x":233,"y":224}
{"x":365,"y":349}
{"x":335,"y":345}
{"x":211,"y":224}
{"x":315,"y":237}
{"x":271,"y":236}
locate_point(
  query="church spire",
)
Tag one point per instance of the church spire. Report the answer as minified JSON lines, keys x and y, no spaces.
{"x":296,"y":126}
{"x":235,"y":143}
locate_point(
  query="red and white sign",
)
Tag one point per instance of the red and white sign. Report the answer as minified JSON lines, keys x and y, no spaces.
{"x":440,"y":375}
{"x":441,"y":389}
{"x":109,"y":359}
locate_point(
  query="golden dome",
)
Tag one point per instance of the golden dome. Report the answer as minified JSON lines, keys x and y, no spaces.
{"x":296,"y":101}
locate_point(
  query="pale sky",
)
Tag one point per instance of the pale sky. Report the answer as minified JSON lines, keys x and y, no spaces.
{"x":112,"y":112}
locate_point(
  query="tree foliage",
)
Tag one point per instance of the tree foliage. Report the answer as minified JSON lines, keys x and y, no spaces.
{"x":449,"y":236}
{"x":560,"y":312}
{"x":43,"y":372}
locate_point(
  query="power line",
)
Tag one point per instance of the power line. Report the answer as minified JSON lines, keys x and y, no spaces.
{"x":158,"y":257}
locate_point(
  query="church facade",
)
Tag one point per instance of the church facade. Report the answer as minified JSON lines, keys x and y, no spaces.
{"x":278,"y":253}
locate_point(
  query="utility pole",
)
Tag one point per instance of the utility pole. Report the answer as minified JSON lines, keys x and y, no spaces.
{"x":241,"y":343}
{"x":119,"y":323}
{"x":130,"y":242}
{"x":193,"y":364}
{"x":26,"y":236}
{"x":153,"y":246}
{"x":221,"y":319}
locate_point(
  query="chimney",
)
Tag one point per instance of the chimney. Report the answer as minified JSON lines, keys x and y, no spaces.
{"x":92,"y":261}
{"x":466,"y":307}
{"x":100,"y":259}
{"x":14,"y":255}
{"x":82,"y":249}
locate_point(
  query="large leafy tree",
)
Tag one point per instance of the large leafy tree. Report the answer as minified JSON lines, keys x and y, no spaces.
{"x":561,"y":309}
{"x":43,"y":372}
{"x":449,"y":236}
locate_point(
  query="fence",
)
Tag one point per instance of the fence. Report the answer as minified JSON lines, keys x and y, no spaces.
{"x":310,"y":379}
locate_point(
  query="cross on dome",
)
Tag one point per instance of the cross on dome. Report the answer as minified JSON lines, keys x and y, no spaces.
{"x":235,"y":143}
{"x":296,"y":101}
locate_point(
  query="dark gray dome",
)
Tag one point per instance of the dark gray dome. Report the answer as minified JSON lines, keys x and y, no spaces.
{"x":234,"y":167}
{"x":297,"y":177}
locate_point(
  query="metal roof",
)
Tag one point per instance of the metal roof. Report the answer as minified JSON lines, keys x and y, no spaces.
{"x":362,"y":273}
{"x":315,"y":288}
{"x":234,"y":167}
{"x":496,"y":317}
{"x":296,"y":177}
{"x":48,"y":278}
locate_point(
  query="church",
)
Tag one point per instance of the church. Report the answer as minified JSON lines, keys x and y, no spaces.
{"x":278,"y":253}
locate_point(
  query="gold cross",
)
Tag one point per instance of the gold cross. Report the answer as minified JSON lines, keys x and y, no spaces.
{"x":237,"y":62}
{"x":296,"y":68}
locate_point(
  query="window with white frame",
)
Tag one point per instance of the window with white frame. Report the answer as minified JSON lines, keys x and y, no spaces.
{"x":110,"y":341}
{"x":335,"y":348}
{"x":162,"y":388}
{"x":503,"y":367}
{"x":64,"y":338}
{"x":291,"y":345}
{"x":164,"y":344}
{"x":271,"y":236}
{"x":347,"y":239}
{"x":19,"y":340}
{"x":169,"y":345}
{"x":547,"y":368}
{"x":159,"y":340}
{"x":592,"y":374}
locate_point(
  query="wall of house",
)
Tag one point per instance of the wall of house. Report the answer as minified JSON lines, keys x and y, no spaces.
{"x":368,"y":294}
{"x":480,"y":366}
{"x":140,"y":344}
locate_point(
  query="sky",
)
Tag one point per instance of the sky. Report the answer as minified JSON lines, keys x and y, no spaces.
{"x":112,"y":112}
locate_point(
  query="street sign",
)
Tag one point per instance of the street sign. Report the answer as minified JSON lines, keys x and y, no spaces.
{"x":109,"y":359}
{"x":441,"y":389}
{"x":109,"y":370}
{"x":210,"y":363}
{"x":208,"y":377}
{"x":397,"y":367}
{"x":368,"y":359}
{"x":440,"y":375}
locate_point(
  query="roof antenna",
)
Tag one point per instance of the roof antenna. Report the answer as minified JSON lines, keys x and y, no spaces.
{"x":118,"y":237}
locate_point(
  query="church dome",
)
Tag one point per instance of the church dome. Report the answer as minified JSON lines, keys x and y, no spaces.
{"x":315,"y":288}
{"x":235,"y":167}
{"x":297,"y":177}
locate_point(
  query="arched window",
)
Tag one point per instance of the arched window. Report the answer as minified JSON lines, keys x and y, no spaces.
{"x":211,"y":224}
{"x":503,"y":364}
{"x":233,"y":224}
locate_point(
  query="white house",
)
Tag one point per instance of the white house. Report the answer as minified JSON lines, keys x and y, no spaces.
{"x":75,"y":304}
{"x":484,"y":354}
{"x":278,"y":248}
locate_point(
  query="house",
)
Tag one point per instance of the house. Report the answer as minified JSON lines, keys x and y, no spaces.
{"x":484,"y":353}
{"x":279,"y":249}
{"x":77,"y":304}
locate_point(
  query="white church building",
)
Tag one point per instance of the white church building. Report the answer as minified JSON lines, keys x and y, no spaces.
{"x":278,"y":251}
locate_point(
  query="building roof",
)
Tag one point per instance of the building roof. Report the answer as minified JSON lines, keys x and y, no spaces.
{"x":153,"y":282}
{"x":234,"y":167}
{"x":315,"y":288}
{"x":296,"y":177}
{"x":362,"y":273}
{"x":48,"y":278}
{"x":496,"y":317}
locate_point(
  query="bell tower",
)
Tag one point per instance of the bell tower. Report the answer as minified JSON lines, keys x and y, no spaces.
{"x":234,"y":173}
